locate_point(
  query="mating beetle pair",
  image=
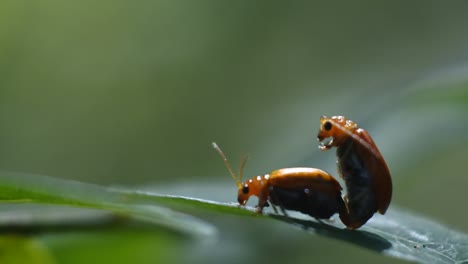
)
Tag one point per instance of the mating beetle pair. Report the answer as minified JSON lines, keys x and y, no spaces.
{"x":315,"y":192}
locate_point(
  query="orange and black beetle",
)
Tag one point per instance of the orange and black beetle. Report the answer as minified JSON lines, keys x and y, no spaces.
{"x":360,"y":164}
{"x":307,"y":190}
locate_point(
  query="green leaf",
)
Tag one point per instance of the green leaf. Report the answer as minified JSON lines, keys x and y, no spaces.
{"x":42,"y":189}
{"x":399,"y":233}
{"x":63,"y":234}
{"x":420,"y":239}
{"x":114,"y":245}
{"x":18,"y":249}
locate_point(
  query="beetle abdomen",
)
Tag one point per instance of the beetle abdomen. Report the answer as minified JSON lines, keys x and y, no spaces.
{"x":314,"y":203}
{"x":362,"y":202}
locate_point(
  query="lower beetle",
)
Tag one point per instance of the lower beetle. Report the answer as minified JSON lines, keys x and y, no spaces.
{"x":307,"y":190}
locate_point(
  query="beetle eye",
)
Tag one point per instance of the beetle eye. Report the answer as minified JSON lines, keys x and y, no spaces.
{"x":327,"y":126}
{"x":245,"y":189}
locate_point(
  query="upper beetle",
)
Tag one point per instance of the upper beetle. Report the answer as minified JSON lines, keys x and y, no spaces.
{"x":360,"y":164}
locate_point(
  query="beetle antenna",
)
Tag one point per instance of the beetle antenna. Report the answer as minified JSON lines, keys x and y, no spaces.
{"x":242,"y":166}
{"x":354,"y":136}
{"x":228,"y":166}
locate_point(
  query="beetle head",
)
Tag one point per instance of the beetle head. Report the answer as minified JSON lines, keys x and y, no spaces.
{"x":337,"y":128}
{"x":243,"y":194}
{"x":253,"y":186}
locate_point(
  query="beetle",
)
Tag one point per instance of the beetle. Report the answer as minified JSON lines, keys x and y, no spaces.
{"x":307,"y":190}
{"x":361,"y":165}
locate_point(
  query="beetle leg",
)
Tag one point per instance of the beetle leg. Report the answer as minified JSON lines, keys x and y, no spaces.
{"x":258,"y":209}
{"x":319,"y":220}
{"x":279,"y":204}
{"x":346,"y":200}
{"x":338,"y":168}
{"x":274,"y":208}
{"x":289,"y":219}
{"x":284,"y":212}
{"x":324,"y":147}
{"x":262,"y":202}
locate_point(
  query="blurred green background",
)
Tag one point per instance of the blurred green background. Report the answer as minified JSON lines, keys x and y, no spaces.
{"x":132,"y":93}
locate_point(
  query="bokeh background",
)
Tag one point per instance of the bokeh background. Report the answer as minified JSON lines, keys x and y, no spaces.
{"x":132,"y":93}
